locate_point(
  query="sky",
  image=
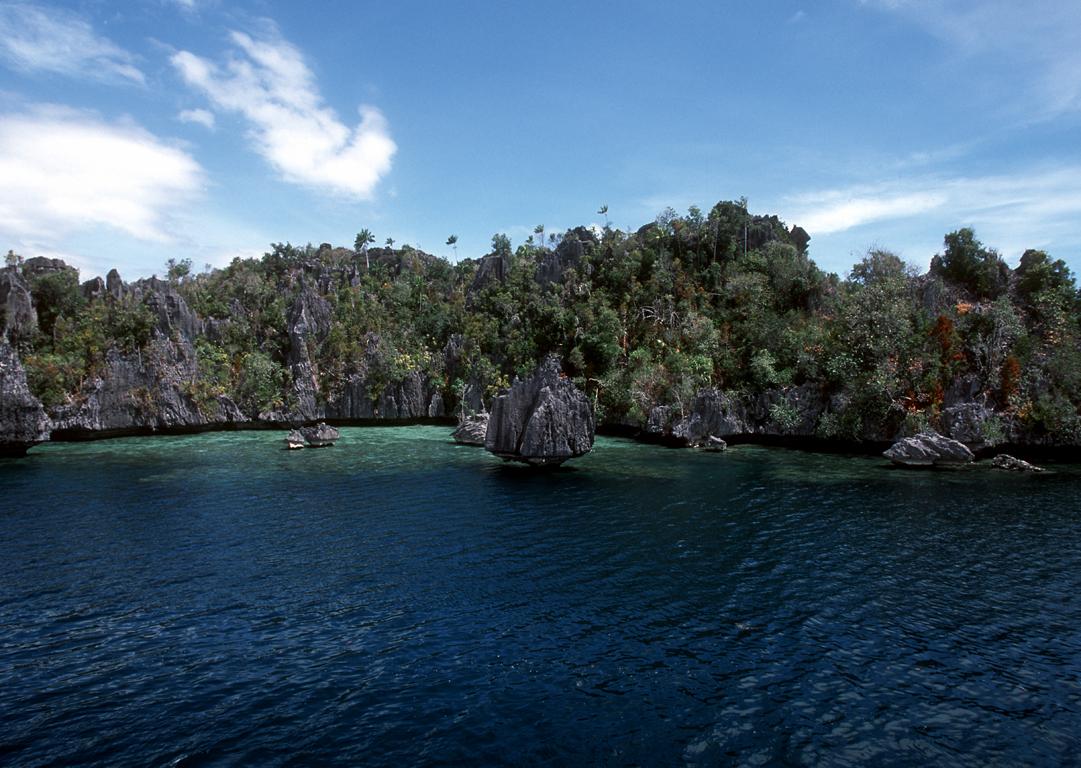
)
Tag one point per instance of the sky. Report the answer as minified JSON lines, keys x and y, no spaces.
{"x":135,"y":132}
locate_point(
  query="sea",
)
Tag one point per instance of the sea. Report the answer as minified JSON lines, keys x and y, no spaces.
{"x":398,"y":599}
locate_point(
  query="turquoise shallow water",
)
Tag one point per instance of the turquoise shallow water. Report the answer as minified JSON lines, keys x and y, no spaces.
{"x":398,"y":599}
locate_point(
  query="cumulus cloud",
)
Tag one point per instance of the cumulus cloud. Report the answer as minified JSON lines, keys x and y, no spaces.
{"x":201,"y":117}
{"x":34,"y":39}
{"x":65,"y":171}
{"x":268,"y":82}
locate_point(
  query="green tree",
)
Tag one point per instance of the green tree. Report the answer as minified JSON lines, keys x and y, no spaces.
{"x":360,"y":245}
{"x":501,"y":245}
{"x":966,"y":262}
{"x":177,"y":270}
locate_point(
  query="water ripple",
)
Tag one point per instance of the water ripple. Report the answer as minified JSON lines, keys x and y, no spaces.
{"x":400,"y":599}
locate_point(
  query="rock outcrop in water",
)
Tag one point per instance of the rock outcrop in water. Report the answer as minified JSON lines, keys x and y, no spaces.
{"x":472,"y":429}
{"x":23,"y":422}
{"x":320,"y":436}
{"x":929,"y":449}
{"x":1013,"y":464}
{"x":543,"y":420}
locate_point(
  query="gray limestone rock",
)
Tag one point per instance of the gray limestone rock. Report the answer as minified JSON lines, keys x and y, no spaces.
{"x":493,"y":267}
{"x":114,"y":286}
{"x":413,"y":397}
{"x":1012,"y":464}
{"x":543,"y":420}
{"x":714,"y":444}
{"x":319,"y":436}
{"x":309,"y":322}
{"x":928,"y":449}
{"x":18,"y":319}
{"x":23,"y":422}
{"x":472,"y":429}
{"x":294,"y":440}
{"x":713,"y":413}
{"x":969,"y":423}
{"x":568,"y":254}
{"x":148,"y":389}
{"x":41,"y":265}
{"x":93,"y":289}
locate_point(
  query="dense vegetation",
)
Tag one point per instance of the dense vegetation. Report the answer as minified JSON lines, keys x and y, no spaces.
{"x":725,"y":299}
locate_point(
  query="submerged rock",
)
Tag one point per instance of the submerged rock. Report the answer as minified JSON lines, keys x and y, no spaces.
{"x":472,"y":429}
{"x":319,"y":436}
{"x":543,"y":420}
{"x":1013,"y":464}
{"x":23,"y":422}
{"x":928,"y":449}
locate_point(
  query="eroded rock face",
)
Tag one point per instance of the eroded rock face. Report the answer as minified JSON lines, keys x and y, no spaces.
{"x":18,"y":319}
{"x":543,"y":420}
{"x":791,"y":411}
{"x":472,"y":429}
{"x":568,"y":254}
{"x":492,"y":268}
{"x":969,"y":423}
{"x":23,"y":422}
{"x":149,"y":389}
{"x":309,"y":322}
{"x":414,"y":396}
{"x":713,"y":413}
{"x":929,"y":449}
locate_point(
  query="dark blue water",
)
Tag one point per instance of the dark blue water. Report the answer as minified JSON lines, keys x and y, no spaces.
{"x":397,"y":599}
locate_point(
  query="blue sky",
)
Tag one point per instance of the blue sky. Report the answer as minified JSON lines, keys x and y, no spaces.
{"x":133,"y":132}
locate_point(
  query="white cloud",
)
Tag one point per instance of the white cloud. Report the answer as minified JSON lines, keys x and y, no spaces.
{"x":33,"y":39}
{"x":201,"y":117}
{"x":1039,"y":39}
{"x":838,"y":211}
{"x":1035,"y":208}
{"x":65,"y":171}
{"x":268,"y":82}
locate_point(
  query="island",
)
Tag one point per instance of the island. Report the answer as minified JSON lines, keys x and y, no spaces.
{"x":698,"y":329}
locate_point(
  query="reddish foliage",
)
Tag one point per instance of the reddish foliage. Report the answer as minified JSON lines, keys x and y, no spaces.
{"x":1011,"y":376}
{"x":943,"y":333}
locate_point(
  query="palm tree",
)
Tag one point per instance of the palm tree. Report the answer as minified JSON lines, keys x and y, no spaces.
{"x":364,"y":239}
{"x":453,"y":242}
{"x":390,"y":242}
{"x":539,"y":232}
{"x":603,"y":211}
